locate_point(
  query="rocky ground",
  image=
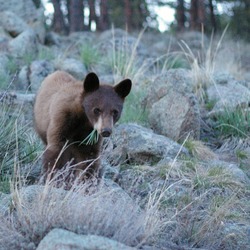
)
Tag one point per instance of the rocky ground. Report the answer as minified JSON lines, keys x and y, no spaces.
{"x":176,"y":170}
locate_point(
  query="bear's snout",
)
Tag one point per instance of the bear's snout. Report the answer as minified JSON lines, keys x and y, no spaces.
{"x":106,"y":132}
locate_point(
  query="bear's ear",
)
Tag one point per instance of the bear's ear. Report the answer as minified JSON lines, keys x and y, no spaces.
{"x":91,"y":82}
{"x":123,"y":88}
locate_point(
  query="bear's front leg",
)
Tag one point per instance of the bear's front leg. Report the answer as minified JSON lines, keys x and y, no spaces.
{"x":51,"y":159}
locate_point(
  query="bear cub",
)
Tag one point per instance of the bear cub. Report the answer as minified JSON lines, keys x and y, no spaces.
{"x":66,"y":111}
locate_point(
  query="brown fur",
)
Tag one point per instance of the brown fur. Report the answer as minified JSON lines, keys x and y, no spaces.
{"x":65,"y":113}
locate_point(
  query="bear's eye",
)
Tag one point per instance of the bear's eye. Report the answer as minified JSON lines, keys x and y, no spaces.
{"x":97,"y":111}
{"x":115,"y":113}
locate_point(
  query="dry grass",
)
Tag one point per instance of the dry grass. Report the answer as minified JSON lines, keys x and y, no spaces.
{"x":195,"y":200}
{"x":203,"y":65}
{"x":199,"y":150}
{"x":84,"y":209}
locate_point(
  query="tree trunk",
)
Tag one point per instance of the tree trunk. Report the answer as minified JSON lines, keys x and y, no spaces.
{"x":128,"y":15}
{"x":76,"y":18}
{"x":58,"y":24}
{"x":180,"y":15}
{"x":201,"y":14}
{"x":103,"y":23}
{"x":197,"y":14}
{"x":212,"y":16}
{"x":193,"y":14}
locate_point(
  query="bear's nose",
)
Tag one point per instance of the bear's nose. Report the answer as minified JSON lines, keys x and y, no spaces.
{"x":106,"y":132}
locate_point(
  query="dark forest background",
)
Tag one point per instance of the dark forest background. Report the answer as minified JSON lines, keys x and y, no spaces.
{"x":133,"y":15}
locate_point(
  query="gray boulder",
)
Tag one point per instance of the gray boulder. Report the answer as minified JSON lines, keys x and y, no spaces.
{"x":31,"y":77}
{"x":122,"y":42}
{"x":236,"y":235}
{"x":176,"y":115}
{"x":227,"y":94}
{"x":4,"y":40}
{"x":25,"y":9}
{"x":66,"y":240}
{"x":24,"y":45}
{"x":136,"y":144}
{"x":111,"y":33}
{"x":177,"y":79}
{"x":13,"y":24}
{"x":4,"y":61}
{"x":232,"y":168}
{"x":72,"y":66}
{"x":173,"y":109}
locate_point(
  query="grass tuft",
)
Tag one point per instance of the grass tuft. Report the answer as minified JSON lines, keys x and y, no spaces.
{"x":199,"y":150}
{"x":234,"y":123}
{"x":106,"y":211}
{"x":133,"y":110}
{"x":89,"y":55}
{"x":18,"y":144}
{"x":92,"y":138}
{"x":203,"y":65}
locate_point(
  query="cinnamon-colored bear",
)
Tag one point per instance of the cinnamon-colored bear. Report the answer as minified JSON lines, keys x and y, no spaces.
{"x":66,"y":111}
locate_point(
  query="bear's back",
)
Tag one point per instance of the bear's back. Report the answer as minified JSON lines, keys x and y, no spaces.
{"x":57,"y":92}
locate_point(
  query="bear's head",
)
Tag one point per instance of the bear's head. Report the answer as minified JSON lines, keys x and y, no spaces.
{"x":103,"y":104}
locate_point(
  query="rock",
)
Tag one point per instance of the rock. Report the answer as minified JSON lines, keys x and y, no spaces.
{"x":4,"y":40}
{"x":13,"y":24}
{"x":4,"y":61}
{"x":178,"y":79}
{"x":111,"y":33}
{"x":122,"y":42}
{"x":107,"y":79}
{"x":136,"y":144}
{"x":236,"y":236}
{"x":40,"y":30}
{"x":173,"y":109}
{"x":105,"y":210}
{"x":163,"y":45}
{"x":52,"y":38}
{"x":24,"y":45}
{"x":232,"y":168}
{"x":66,"y":240}
{"x":72,"y":66}
{"x":176,"y":115}
{"x":228,"y":94}
{"x":222,"y":78}
{"x":25,"y":9}
{"x":38,"y":71}
{"x":31,"y":77}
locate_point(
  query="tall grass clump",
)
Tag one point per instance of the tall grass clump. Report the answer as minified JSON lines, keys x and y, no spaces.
{"x":89,"y":55}
{"x":203,"y":65}
{"x":124,"y":59}
{"x":233,"y":123}
{"x":18,"y":145}
{"x":133,"y":110}
{"x":105,"y":211}
{"x":199,"y":150}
